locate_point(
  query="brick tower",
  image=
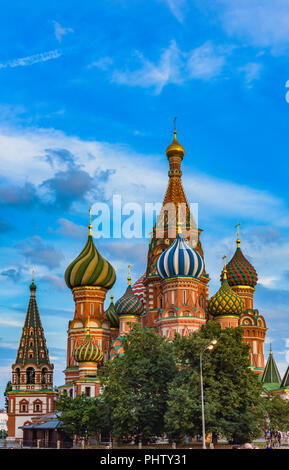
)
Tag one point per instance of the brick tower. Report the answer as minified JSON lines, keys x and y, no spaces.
{"x":32,"y":392}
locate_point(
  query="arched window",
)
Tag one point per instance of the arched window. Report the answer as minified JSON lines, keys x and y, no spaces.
{"x":81,"y":309}
{"x":37,"y":406}
{"x":44,"y":375}
{"x":202,"y":301}
{"x":23,"y":406}
{"x":184,"y":297}
{"x":30,"y":375}
{"x":91,"y":309}
{"x":17,"y":376}
{"x":71,"y":393}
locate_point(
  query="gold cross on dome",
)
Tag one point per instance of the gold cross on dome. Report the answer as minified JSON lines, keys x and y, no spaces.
{"x":175,"y":125}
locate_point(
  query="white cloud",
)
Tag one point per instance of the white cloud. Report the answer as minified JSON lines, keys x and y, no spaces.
{"x":60,"y":31}
{"x":8,"y":322}
{"x":251,"y":71}
{"x":32,"y":59}
{"x":174,"y":67}
{"x":264,"y":23}
{"x":22,"y":153}
{"x":177,"y":8}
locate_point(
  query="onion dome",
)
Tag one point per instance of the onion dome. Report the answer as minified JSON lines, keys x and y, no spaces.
{"x":88,"y":351}
{"x":111,"y":314}
{"x":225,"y":302}
{"x":180,"y":260}
{"x":117,"y":348}
{"x":240,"y":271}
{"x":129,"y":303}
{"x":90,"y":268}
{"x":175,"y":148}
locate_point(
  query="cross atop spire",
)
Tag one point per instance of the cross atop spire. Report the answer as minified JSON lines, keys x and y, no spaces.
{"x":90,"y":226}
{"x":129,"y":277}
{"x":238,"y":234}
{"x":224,"y":270}
{"x":175,"y":125}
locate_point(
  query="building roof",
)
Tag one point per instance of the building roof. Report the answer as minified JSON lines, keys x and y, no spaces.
{"x":271,"y":373}
{"x":32,"y":342}
{"x":51,"y":424}
{"x":285,"y":380}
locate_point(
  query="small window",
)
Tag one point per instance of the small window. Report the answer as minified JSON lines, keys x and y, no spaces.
{"x":91,"y":309}
{"x":87,"y":391}
{"x":173,"y":297}
{"x":185,"y":296}
{"x":71,"y":393}
{"x":81,"y":309}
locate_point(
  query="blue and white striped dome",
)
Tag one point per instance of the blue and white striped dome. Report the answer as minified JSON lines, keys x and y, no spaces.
{"x":180,"y":260}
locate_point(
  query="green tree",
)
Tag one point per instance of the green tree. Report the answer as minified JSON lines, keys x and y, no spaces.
{"x":80,"y":416}
{"x":7,"y":389}
{"x":233,"y":403}
{"x":276,"y":412}
{"x":135,"y":386}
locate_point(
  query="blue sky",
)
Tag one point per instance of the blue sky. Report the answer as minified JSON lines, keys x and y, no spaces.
{"x":88,"y":91}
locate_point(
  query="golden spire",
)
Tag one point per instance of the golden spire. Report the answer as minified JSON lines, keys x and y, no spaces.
{"x":87,"y":326}
{"x":111,"y":296}
{"x":90,"y":226}
{"x":128,"y":277}
{"x":225,"y":269}
{"x":271,"y":348}
{"x":238,"y":235}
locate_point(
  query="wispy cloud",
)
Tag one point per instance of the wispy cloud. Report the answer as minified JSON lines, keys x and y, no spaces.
{"x":263,"y":23}
{"x":174,"y":67}
{"x":60,"y":31}
{"x":32,"y":59}
{"x":252,"y":72}
{"x":6,"y":322}
{"x":177,"y":8}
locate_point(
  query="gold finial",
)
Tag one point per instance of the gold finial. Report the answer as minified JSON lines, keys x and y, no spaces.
{"x":238,"y":235}
{"x":33,"y":272}
{"x":175,"y":149}
{"x":90,"y":226}
{"x":225,"y":269}
{"x":128,"y":277}
{"x":111,"y":296}
{"x":87,"y":326}
{"x":270,"y":347}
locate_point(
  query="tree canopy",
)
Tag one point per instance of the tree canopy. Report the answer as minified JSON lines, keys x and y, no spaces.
{"x":233,"y":403}
{"x":135,"y":386}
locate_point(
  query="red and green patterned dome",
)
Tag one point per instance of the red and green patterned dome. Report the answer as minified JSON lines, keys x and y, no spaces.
{"x":240,"y":272}
{"x":129,"y":304}
{"x":117,"y":347}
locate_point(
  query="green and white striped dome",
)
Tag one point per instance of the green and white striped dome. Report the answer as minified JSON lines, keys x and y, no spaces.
{"x":88,"y":351}
{"x":90,"y":269}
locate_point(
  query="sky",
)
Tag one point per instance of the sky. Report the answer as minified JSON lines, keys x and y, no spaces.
{"x":88,"y":93}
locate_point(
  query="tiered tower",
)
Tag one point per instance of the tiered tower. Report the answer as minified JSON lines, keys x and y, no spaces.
{"x":242,"y":278}
{"x":89,"y":277}
{"x":32,"y":392}
{"x":175,"y":208}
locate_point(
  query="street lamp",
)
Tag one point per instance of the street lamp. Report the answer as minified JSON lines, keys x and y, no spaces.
{"x":209,"y":346}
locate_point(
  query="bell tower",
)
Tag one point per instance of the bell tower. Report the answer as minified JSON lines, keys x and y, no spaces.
{"x":32,"y":392}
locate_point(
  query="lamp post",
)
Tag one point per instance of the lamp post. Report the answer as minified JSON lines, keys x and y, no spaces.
{"x":209,"y":346}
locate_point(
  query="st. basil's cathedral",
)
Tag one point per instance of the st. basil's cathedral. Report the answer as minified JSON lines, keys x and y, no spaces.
{"x":172,"y":296}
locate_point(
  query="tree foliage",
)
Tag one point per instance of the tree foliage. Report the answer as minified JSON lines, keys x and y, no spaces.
{"x":233,"y":404}
{"x":81,"y":416}
{"x":276,"y":411}
{"x":135,"y":386}
{"x":7,"y":389}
